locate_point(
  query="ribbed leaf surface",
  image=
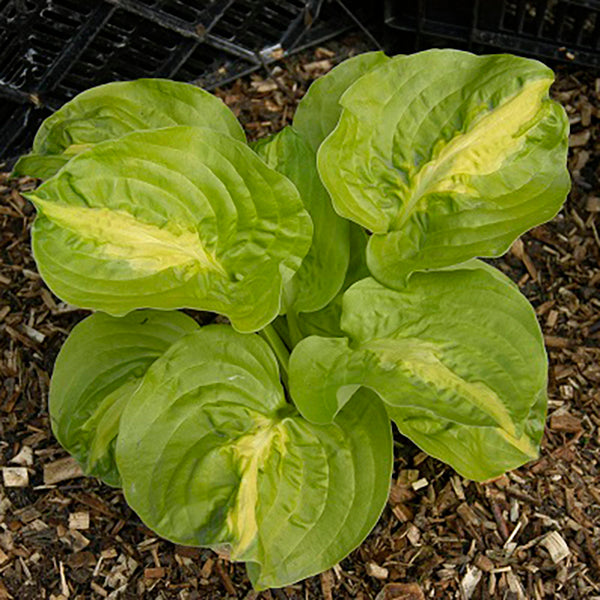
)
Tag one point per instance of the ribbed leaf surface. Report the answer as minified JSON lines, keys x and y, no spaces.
{"x":323,"y":269}
{"x":96,"y":372}
{"x":319,"y":110}
{"x":171,"y":218}
{"x":110,"y":111}
{"x":457,"y":356}
{"x":446,"y":156}
{"x":210,"y":453}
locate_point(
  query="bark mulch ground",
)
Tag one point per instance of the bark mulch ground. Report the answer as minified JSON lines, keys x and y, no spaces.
{"x":534,"y":533}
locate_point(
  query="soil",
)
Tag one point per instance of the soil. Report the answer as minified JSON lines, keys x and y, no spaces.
{"x":533,"y":533}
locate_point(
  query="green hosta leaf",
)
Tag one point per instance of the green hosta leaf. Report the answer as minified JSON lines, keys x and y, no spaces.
{"x":211,"y":455}
{"x":457,"y":356}
{"x":110,"y":111}
{"x":97,"y":370}
{"x":318,"y":112}
{"x":171,"y":218}
{"x":326,"y":322}
{"x":323,"y":269}
{"x":446,"y":156}
{"x":40,"y":165}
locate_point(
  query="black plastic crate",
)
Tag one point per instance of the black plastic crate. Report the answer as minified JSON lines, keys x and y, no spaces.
{"x":560,"y":30}
{"x":50,"y":50}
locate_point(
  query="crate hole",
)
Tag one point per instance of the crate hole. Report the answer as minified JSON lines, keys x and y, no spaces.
{"x":182,"y":10}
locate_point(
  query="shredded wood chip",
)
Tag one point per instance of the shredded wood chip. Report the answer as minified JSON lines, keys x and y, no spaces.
{"x":401,"y":591}
{"x":15,"y":476}
{"x":24,"y":457}
{"x":61,"y":470}
{"x":79,"y":520}
{"x":154,"y":572}
{"x":327,"y":585}
{"x":374,"y":570}
{"x":420,"y":484}
{"x":469,"y":582}
{"x":556,"y":546}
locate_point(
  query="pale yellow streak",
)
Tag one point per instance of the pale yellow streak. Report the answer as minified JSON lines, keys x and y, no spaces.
{"x":482,"y":149}
{"x":251,"y":451}
{"x":119,"y":235}
{"x":421,"y":360}
{"x":74,"y":149}
{"x":523,"y":443}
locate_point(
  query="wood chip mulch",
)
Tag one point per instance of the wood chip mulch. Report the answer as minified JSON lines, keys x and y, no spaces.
{"x":534,"y":533}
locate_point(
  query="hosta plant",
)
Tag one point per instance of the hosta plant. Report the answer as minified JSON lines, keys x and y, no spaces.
{"x":344,"y":252}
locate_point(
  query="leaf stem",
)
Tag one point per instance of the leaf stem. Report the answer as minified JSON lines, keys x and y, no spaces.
{"x":279,"y":348}
{"x":293,"y":327}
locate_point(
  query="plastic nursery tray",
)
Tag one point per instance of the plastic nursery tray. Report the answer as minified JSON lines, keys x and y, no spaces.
{"x":50,"y":50}
{"x":563,"y":30}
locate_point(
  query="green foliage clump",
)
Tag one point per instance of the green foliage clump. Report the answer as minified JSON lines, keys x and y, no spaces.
{"x":344,"y":252}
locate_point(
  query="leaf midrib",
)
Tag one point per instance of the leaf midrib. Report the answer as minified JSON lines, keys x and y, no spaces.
{"x":434,"y":171}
